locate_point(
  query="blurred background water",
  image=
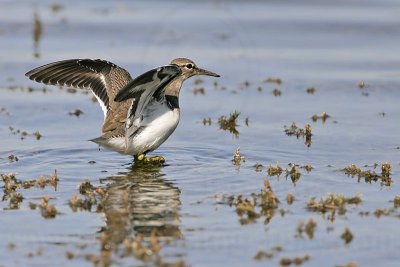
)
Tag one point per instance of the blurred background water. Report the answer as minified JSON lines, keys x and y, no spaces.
{"x":336,"y":47}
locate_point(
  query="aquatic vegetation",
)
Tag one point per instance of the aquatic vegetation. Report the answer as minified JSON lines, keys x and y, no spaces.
{"x":311,"y":90}
{"x":12,"y":184}
{"x":4,"y":111}
{"x":250,"y":209}
{"x":267,"y":254}
{"x":198,"y":81}
{"x":237,"y":157}
{"x":24,"y":134}
{"x":277,"y":92}
{"x":273,"y":80}
{"x":258,"y":167}
{"x":229,"y":123}
{"x":347,"y":236}
{"x":370,"y":176}
{"x":290,"y":198}
{"x":294,"y":130}
{"x":77,"y":112}
{"x":47,"y":210}
{"x":207,"y":121}
{"x":274,"y":170}
{"x":200,"y":91}
{"x":350,"y":264}
{"x":90,"y":196}
{"x":295,"y":261}
{"x":362,"y":84}
{"x":396,"y":201}
{"x":12,"y":158}
{"x":307,"y":228}
{"x":333,"y":203}
{"x":323,"y":117}
{"x":37,"y":34}
{"x":293,"y":173}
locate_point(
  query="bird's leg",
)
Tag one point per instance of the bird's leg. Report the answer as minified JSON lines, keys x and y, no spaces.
{"x":144,"y":159}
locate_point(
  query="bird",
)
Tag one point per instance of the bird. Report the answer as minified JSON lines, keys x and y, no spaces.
{"x":139,"y":113}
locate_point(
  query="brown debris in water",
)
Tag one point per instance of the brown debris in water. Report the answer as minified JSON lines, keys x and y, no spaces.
{"x":267,"y":254}
{"x":258,"y":167}
{"x":311,"y":90}
{"x":370,"y":176}
{"x":12,"y":184}
{"x":37,"y":34}
{"x":307,"y":228}
{"x":12,"y":158}
{"x":48,"y":211}
{"x":290,"y":198}
{"x":323,"y":117}
{"x":24,"y":134}
{"x":55,"y":8}
{"x":274,"y":170}
{"x":77,"y":112}
{"x":90,"y":196}
{"x":396,"y":201}
{"x":4,"y":111}
{"x":295,"y":261}
{"x":249,"y":209}
{"x":273,"y":80}
{"x":293,"y":173}
{"x":230,"y":123}
{"x":334,"y":203}
{"x":347,"y":236}
{"x":199,"y":90}
{"x":207,"y":121}
{"x":237,"y":157}
{"x":277,"y":92}
{"x":294,"y":130}
{"x":350,"y":264}
{"x":362,"y":84}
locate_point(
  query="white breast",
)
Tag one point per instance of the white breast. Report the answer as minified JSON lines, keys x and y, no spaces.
{"x":158,"y":123}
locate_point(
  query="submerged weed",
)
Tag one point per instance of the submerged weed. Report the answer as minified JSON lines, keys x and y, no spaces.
{"x":237,"y":157}
{"x":294,"y":130}
{"x":323,"y":117}
{"x":273,"y":80}
{"x":229,"y":123}
{"x":334,"y":203}
{"x":370,"y":176}
{"x":295,"y":261}
{"x":347,"y":236}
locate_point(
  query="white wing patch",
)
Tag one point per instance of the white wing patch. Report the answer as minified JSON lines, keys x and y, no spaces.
{"x":103,"y":107}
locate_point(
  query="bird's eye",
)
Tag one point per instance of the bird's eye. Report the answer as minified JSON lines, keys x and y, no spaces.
{"x":189,"y":66}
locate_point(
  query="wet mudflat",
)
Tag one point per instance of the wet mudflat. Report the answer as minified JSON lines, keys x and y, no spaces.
{"x":309,"y":93}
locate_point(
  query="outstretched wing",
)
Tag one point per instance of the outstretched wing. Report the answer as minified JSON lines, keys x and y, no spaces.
{"x":144,"y":87}
{"x":103,"y":78}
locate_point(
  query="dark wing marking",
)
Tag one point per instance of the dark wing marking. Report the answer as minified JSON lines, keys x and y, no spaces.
{"x":104,"y":78}
{"x":146,"y":86}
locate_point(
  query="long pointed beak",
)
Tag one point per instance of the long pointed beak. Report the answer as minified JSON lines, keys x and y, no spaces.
{"x":205,"y":72}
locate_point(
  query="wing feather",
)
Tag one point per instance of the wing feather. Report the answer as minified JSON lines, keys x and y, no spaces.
{"x":103,"y":78}
{"x":143,"y":88}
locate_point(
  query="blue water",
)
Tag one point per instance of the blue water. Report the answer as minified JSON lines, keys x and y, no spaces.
{"x":329,"y":45}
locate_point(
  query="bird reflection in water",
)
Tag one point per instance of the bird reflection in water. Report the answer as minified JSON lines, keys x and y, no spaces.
{"x":140,"y":204}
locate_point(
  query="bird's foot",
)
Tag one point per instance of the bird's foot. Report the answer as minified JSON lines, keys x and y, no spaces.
{"x":153,"y":160}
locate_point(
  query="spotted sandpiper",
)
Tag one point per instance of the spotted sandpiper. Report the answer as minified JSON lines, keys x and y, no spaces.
{"x":139,"y":114}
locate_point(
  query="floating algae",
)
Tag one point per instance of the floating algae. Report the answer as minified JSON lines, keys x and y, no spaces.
{"x":347,"y":236}
{"x":250,"y":209}
{"x":333,"y":203}
{"x":294,"y":130}
{"x":370,"y":176}
{"x":229,"y":123}
{"x":323,"y":117}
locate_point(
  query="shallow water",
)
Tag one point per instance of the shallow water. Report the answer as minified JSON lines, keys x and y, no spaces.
{"x":331,"y":46}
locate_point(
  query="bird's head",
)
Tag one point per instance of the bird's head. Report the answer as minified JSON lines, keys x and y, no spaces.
{"x":189,"y":68}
